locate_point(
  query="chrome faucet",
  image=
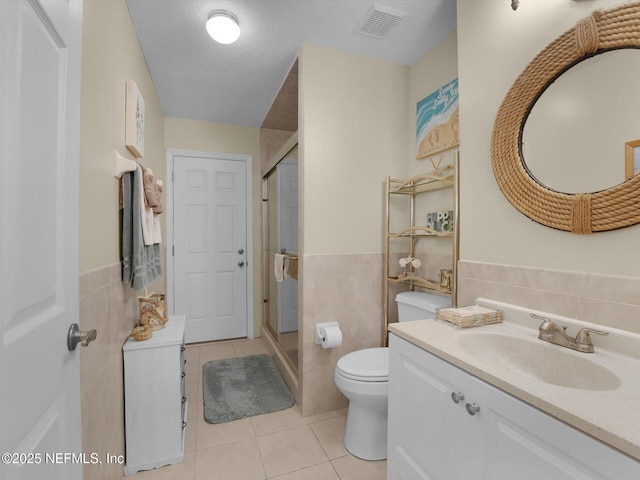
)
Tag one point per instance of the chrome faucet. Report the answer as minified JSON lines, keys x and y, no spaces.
{"x":553,"y":333}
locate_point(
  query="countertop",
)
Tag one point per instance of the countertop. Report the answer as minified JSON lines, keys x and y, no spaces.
{"x":612,"y":416}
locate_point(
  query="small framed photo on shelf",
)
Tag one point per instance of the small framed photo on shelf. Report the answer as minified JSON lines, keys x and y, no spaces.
{"x":632,"y":159}
{"x":134,"y":119}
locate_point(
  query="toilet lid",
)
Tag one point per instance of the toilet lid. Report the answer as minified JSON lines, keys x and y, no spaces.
{"x":367,"y":365}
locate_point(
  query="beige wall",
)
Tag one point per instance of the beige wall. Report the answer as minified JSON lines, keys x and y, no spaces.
{"x":494,"y":45}
{"x":353,"y":121}
{"x":436,"y":68}
{"x":183,"y":134}
{"x":357,"y":125}
{"x":110,"y":55}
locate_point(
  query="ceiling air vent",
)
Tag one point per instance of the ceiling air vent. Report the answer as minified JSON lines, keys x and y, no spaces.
{"x":378,"y":21}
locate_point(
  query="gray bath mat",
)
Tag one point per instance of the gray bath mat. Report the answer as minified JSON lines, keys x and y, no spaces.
{"x":242,"y":387}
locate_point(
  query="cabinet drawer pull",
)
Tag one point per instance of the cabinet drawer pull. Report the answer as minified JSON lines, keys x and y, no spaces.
{"x":457,"y":397}
{"x":472,"y":408}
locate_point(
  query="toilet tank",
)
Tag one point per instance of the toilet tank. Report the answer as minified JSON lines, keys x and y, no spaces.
{"x":419,"y":305}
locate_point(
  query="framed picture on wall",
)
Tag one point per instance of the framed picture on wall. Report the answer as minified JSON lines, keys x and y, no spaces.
{"x":631,"y":159}
{"x":134,"y":119}
{"x":437,"y":121}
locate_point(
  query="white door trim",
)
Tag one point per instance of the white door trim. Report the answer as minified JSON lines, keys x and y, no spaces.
{"x":171,"y":154}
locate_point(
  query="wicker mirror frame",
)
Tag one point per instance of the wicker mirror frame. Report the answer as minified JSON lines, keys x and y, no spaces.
{"x":581,"y":213}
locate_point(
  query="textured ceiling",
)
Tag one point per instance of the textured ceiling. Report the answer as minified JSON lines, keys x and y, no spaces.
{"x":197,"y":78}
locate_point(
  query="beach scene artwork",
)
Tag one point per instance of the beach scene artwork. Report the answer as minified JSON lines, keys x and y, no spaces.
{"x":437,"y":121}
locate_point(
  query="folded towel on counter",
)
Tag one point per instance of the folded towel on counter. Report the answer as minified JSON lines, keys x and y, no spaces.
{"x":279,"y":267}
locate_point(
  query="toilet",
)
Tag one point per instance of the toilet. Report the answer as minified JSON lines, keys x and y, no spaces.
{"x":363,"y":377}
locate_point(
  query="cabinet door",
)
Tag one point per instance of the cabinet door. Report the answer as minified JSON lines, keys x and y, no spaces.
{"x":426,"y":428}
{"x":430,"y":437}
{"x":528,"y":444}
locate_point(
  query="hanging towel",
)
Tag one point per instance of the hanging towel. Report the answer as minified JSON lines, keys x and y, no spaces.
{"x":157,"y":209}
{"x":157,"y":230}
{"x":292,"y":267}
{"x":141,"y":263}
{"x":146,"y":213}
{"x":279,"y":267}
{"x":149,"y":184}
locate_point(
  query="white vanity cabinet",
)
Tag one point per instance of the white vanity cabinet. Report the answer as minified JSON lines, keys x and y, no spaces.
{"x":488,"y":435}
{"x":155,"y":398}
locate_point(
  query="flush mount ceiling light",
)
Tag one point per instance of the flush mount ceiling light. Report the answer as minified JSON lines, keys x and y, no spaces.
{"x":223,"y":26}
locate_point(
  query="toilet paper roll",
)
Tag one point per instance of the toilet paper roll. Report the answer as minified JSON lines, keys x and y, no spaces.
{"x":331,"y":337}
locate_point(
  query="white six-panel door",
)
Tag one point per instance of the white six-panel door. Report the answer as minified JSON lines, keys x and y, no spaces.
{"x":210,"y":247}
{"x":40,"y":45}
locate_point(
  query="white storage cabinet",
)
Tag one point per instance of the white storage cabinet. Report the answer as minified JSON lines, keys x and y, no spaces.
{"x":155,"y":398}
{"x":445,"y":424}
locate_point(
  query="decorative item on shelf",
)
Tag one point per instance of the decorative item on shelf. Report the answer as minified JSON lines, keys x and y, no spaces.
{"x":142,"y":332}
{"x":440,"y":222}
{"x":152,"y":311}
{"x":407,"y":261}
{"x":446,"y":278}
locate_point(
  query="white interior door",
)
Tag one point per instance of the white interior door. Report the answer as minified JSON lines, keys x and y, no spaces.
{"x":287,"y":173}
{"x":40,"y":45}
{"x":210,"y":255}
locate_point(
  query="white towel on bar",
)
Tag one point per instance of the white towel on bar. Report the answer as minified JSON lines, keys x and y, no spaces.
{"x":279,"y":267}
{"x":146,"y":213}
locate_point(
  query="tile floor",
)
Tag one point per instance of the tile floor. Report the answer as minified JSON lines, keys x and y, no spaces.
{"x":281,"y":445}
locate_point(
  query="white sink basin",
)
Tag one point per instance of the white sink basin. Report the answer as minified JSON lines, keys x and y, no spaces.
{"x":597,"y":393}
{"x":543,"y":361}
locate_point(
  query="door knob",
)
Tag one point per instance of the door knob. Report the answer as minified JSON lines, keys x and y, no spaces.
{"x":76,"y":336}
{"x":241,"y":263}
{"x":241,"y":251}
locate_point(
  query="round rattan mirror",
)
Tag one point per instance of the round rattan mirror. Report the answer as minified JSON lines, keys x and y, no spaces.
{"x":584,"y":213}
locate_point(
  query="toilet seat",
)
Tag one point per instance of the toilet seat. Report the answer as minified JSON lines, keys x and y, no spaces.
{"x":367,"y":365}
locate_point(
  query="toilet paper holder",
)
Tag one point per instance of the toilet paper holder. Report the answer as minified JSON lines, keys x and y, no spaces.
{"x":318,"y":336}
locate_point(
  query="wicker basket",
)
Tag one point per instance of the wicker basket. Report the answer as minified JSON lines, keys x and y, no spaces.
{"x":142,"y":332}
{"x":158,"y":300}
{"x":152,"y":311}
